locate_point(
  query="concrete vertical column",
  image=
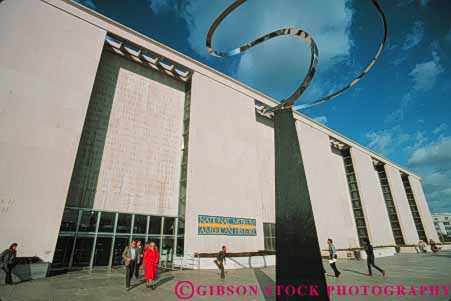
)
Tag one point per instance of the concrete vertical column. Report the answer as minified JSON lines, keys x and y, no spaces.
{"x":375,"y":209}
{"x":409,"y":231}
{"x":423,"y":208}
{"x":93,"y":251}
{"x":110,"y":262}
{"x":147,"y":228}
{"x":71,"y":260}
{"x":298,"y":256}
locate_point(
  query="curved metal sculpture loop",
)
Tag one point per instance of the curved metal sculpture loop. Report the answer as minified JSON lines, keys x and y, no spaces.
{"x":313,"y":59}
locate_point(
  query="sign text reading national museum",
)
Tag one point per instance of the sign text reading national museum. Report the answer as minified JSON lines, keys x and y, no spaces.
{"x":221,"y":225}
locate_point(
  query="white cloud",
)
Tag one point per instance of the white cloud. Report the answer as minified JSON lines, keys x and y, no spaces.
{"x":425,"y":74}
{"x":388,"y":140}
{"x":278,"y":65}
{"x":429,"y":155}
{"x":414,"y":38}
{"x":321,"y":119}
{"x":433,"y":163}
{"x":438,"y":152}
{"x":441,"y":128}
{"x":399,"y":113}
{"x":159,"y":6}
{"x":419,"y":141}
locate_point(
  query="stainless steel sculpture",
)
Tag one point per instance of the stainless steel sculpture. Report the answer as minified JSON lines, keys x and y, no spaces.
{"x":289,"y":102}
{"x":298,"y":256}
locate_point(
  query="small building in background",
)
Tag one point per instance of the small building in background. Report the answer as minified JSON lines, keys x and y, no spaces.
{"x":442,"y":223}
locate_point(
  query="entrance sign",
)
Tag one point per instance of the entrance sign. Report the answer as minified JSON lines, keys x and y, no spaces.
{"x":222,"y":225}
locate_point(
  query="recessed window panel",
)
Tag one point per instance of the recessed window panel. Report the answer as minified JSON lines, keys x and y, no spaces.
{"x":413,"y":207}
{"x":354,"y":194}
{"x":82,"y":253}
{"x":362,"y":232}
{"x":140,"y":224}
{"x":102,"y":251}
{"x":124,"y":223}
{"x":360,"y":222}
{"x":155,"y":225}
{"x":391,"y":210}
{"x":180,"y":246}
{"x":63,"y":252}
{"x":181,"y":227}
{"x":106,"y":223}
{"x":69,"y":221}
{"x":88,"y":221}
{"x":167,"y":249}
{"x":169,"y":226}
{"x":358,"y":213}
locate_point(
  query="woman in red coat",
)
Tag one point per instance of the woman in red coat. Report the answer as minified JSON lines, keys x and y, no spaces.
{"x":151,"y":260}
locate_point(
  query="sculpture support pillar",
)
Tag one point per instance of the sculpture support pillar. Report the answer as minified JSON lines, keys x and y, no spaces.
{"x":298,"y":256}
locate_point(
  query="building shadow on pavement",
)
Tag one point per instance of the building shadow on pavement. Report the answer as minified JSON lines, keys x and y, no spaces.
{"x":264,"y":281}
{"x":355,"y":272}
{"x":162,"y":281}
{"x":157,"y":283}
{"x":137,"y":284}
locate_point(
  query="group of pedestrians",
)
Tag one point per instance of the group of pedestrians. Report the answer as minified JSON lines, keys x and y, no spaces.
{"x":370,"y":258}
{"x":136,"y":255}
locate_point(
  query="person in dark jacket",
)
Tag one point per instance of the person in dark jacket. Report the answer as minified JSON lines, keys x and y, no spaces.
{"x":140,"y":254}
{"x":333,"y":257}
{"x":130,"y":257}
{"x":220,"y":261}
{"x":8,"y":258}
{"x":370,"y":258}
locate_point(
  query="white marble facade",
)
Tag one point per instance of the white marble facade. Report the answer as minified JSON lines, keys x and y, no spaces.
{"x":47,"y":83}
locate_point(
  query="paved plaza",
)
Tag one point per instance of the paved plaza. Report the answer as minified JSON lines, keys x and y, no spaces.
{"x":402,"y":270}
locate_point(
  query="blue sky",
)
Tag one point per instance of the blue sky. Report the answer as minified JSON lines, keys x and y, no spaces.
{"x":400,"y":110}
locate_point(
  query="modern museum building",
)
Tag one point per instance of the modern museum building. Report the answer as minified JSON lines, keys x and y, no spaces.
{"x":108,"y":136}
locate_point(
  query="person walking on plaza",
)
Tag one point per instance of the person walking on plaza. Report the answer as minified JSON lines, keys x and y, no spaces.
{"x":8,"y":258}
{"x":370,"y":258}
{"x":140,"y":255}
{"x":333,"y":257}
{"x":151,"y":260}
{"x":220,"y":261}
{"x":131,"y":258}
